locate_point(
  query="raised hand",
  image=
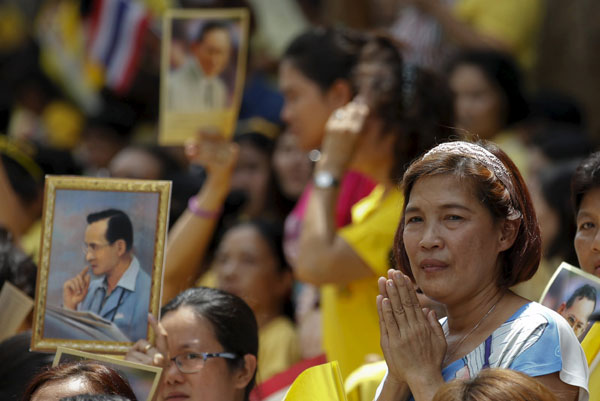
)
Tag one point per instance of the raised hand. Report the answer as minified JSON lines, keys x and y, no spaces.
{"x":216,"y":154}
{"x":75,"y":289}
{"x":341,"y":134}
{"x":412,"y":340}
{"x":144,"y":352}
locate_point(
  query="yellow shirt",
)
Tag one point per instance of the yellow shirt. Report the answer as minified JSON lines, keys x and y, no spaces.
{"x":277,"y":348}
{"x":350,"y":320}
{"x":591,"y":346}
{"x":514,"y":22}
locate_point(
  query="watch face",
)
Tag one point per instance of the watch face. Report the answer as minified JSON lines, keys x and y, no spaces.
{"x":324,"y":179}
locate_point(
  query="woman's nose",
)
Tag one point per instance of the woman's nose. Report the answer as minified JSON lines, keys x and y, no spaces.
{"x":431,"y":237}
{"x":172,"y":374}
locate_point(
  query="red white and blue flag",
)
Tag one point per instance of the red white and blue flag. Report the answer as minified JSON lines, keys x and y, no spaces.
{"x":116,"y":33}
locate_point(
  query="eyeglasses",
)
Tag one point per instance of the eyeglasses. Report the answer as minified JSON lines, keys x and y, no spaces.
{"x":93,"y":247}
{"x":192,"y":362}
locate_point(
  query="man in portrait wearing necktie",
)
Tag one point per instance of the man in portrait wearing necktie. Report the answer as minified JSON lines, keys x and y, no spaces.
{"x":120,"y":293}
{"x":197,"y":84}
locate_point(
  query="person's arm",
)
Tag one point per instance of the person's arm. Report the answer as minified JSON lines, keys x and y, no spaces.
{"x":325,"y":257}
{"x":460,"y":32}
{"x":192,"y":233}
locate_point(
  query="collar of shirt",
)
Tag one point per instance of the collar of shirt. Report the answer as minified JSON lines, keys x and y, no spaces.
{"x":128,"y":278}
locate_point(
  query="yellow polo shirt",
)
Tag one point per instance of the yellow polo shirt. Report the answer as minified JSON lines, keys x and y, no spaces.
{"x":349,"y":312}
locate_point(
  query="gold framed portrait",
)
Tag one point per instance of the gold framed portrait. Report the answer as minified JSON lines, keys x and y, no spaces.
{"x":101,"y":262}
{"x":203,"y":64}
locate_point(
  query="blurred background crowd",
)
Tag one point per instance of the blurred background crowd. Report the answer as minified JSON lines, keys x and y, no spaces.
{"x":521,"y":73}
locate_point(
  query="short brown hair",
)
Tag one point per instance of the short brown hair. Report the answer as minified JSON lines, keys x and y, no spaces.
{"x":520,"y":261}
{"x":495,"y":385}
{"x":100,"y":378}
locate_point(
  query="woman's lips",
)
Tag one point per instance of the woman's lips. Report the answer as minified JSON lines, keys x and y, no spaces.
{"x":432,"y":265}
{"x":176,"y":396}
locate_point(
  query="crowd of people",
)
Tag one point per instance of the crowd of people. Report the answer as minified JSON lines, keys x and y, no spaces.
{"x":396,"y":196}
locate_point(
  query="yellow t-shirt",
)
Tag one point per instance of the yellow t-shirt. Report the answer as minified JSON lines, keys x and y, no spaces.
{"x":591,"y":346}
{"x":514,"y":22}
{"x":277,"y":348}
{"x":350,"y":320}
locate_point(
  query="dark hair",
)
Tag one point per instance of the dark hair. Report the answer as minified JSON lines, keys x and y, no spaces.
{"x":119,"y":226}
{"x":211,"y":26}
{"x":232,"y":319}
{"x":100,"y":378}
{"x":16,"y":267}
{"x":414,"y":103}
{"x":503,"y":73}
{"x":585,"y":291}
{"x":495,"y":385}
{"x":520,"y":261}
{"x":586,"y":178}
{"x":95,"y":397}
{"x":325,"y":55}
{"x":19,"y":365}
{"x":555,"y":185}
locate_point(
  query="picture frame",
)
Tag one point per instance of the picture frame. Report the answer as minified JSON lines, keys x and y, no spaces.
{"x":16,"y":306}
{"x":101,"y":263}
{"x":571,"y":285}
{"x":203,"y":64}
{"x":143,"y":379}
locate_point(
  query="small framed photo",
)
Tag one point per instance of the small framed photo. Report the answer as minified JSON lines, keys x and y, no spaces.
{"x":575,"y":295}
{"x":101,"y":262}
{"x":202,"y":72}
{"x":143,"y":379}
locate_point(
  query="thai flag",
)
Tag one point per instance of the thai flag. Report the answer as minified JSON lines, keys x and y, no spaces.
{"x":116,"y":34}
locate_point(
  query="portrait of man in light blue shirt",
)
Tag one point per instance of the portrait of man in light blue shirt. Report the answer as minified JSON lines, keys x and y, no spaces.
{"x":120,"y":293}
{"x":197,"y":85}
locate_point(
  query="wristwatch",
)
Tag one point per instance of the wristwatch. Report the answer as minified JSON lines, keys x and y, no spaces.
{"x":324,"y":179}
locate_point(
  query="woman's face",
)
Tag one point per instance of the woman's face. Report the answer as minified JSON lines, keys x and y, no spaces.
{"x":587,"y":238}
{"x":188,"y":332}
{"x":451,"y":239}
{"x":306,"y":107}
{"x":246,"y":267}
{"x":478,"y":105}
{"x":292,"y":166}
{"x":252,"y":175}
{"x":57,"y":389}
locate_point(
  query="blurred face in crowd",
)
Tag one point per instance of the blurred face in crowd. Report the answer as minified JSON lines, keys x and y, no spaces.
{"x":451,"y":239}
{"x":306,"y":106}
{"x":478,"y":104}
{"x":57,"y":389}
{"x":291,"y":165}
{"x":191,"y":334}
{"x":246,"y":267}
{"x":587,"y":238}
{"x":135,"y":163}
{"x":213,"y":51}
{"x":252,"y":175}
{"x":577,"y":315}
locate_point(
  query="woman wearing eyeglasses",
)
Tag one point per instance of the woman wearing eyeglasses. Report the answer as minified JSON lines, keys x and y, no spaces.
{"x":206,"y":343}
